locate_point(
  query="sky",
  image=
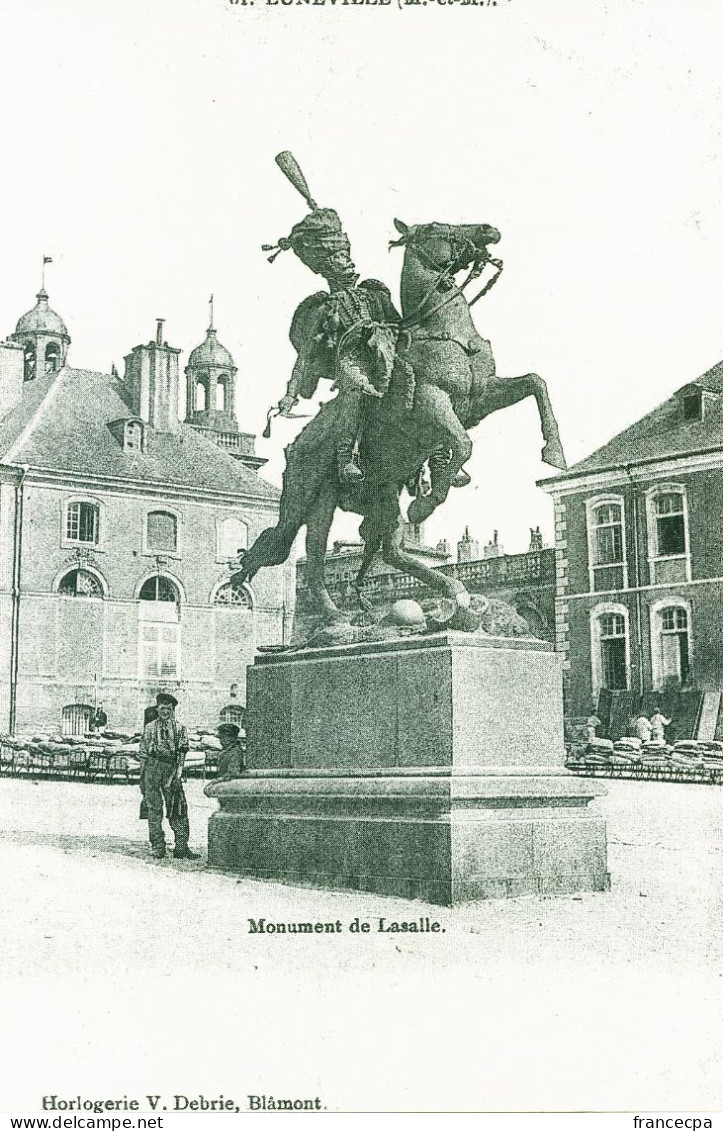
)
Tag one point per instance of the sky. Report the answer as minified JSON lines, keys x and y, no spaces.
{"x":138,"y":144}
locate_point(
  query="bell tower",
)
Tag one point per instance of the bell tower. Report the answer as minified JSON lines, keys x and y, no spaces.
{"x":211,"y":384}
{"x":43,"y":335}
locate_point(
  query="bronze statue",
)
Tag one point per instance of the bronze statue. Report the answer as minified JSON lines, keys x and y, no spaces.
{"x":409,"y":389}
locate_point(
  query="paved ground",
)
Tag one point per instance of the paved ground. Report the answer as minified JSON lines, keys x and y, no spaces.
{"x":123,"y":975}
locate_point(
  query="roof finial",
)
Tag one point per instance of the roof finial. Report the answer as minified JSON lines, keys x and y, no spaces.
{"x":210,"y":309}
{"x":46,"y":259}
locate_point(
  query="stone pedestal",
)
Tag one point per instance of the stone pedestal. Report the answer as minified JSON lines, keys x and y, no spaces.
{"x":427,"y":767}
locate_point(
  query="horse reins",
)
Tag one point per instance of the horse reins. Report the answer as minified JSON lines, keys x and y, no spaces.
{"x":416,"y":318}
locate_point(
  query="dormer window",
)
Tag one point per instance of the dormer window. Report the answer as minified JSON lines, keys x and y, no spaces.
{"x":693,"y":405}
{"x":133,"y":436}
{"x":129,"y":433}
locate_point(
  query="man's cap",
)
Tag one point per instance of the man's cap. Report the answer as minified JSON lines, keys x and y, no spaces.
{"x":164,"y":698}
{"x":229,"y":728}
{"x":314,"y":239}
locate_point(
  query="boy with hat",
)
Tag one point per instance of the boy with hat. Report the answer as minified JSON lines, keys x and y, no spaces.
{"x":232,"y":759}
{"x":162,"y":753}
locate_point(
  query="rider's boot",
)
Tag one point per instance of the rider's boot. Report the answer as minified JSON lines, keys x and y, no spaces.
{"x":461,"y":479}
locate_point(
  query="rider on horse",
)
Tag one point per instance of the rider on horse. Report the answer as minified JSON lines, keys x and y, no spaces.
{"x":345,"y":334}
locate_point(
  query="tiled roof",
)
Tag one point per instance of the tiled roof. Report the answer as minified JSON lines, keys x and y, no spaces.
{"x":70,"y":433}
{"x":663,"y":433}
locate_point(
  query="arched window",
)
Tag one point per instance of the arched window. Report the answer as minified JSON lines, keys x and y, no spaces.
{"x":201,"y":396}
{"x":52,"y":357}
{"x":232,"y":535}
{"x":606,"y":544}
{"x":236,"y":595}
{"x":80,"y":583}
{"x":29,"y":362}
{"x":221,"y":393}
{"x":159,"y":628}
{"x":76,"y":719}
{"x":670,"y":643}
{"x":161,"y":532}
{"x":160,"y":588}
{"x":233,"y":713}
{"x":82,"y":522}
{"x":610,"y":647}
{"x":668,"y":550}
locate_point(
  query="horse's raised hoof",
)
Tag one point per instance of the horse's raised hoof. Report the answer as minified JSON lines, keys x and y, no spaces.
{"x":421,"y":508}
{"x":461,"y":479}
{"x":553,"y":455}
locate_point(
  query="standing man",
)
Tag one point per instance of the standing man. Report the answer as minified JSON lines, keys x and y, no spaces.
{"x":162,"y":753}
{"x":100,"y":720}
{"x":232,"y":759}
{"x":643,"y":729}
{"x":592,"y":722}
{"x":658,"y":724}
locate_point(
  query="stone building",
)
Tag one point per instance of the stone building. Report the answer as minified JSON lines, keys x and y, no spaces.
{"x":639,"y":543}
{"x":118,"y":522}
{"x":525,"y":581}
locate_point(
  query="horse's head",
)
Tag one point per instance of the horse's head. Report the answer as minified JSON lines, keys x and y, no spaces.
{"x":448,"y":247}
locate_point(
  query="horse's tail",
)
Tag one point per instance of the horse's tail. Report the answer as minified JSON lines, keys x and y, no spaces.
{"x":271,"y":548}
{"x":309,"y":462}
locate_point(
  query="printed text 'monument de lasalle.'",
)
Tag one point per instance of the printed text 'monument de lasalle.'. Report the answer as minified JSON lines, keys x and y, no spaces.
{"x":421,"y":926}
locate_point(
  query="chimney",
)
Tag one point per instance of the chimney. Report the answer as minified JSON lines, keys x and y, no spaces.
{"x":12,"y":370}
{"x":493,"y":548}
{"x":467,"y":548}
{"x":151,"y":375}
{"x":535,"y":540}
{"x":413,"y":534}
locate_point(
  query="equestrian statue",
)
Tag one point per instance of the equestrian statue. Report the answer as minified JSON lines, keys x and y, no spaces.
{"x":410,"y":387}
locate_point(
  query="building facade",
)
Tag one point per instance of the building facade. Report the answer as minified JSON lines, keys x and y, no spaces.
{"x":119,"y":524}
{"x":639,"y":547}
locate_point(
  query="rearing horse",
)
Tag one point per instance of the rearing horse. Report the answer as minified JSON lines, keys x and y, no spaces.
{"x":456,"y":382}
{"x":443,"y":383}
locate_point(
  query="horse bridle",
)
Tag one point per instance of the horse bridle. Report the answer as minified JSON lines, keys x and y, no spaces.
{"x":463,"y":249}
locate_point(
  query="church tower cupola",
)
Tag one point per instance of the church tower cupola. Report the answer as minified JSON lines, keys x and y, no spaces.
{"x":210,"y":385}
{"x":211,"y":399}
{"x":43,"y":335}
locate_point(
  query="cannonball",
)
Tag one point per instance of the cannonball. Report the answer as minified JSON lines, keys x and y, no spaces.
{"x":407,"y":613}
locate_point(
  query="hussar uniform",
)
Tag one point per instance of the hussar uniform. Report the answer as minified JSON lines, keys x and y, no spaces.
{"x":347,"y":334}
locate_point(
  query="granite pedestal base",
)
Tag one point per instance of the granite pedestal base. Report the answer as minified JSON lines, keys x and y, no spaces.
{"x":428,"y":767}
